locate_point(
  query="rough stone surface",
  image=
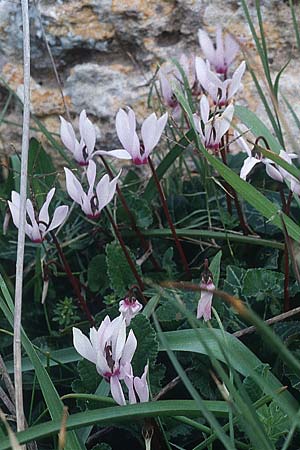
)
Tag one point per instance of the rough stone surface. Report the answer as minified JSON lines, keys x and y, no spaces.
{"x":106,"y":52}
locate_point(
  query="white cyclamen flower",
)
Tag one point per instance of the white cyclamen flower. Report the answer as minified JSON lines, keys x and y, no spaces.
{"x":129,"y":307}
{"x":220,"y":91}
{"x":109,"y":349}
{"x":211,"y":130}
{"x":82,"y":150}
{"x":97,"y":197}
{"x":38,"y":225}
{"x":151,"y":132}
{"x":221,"y":55}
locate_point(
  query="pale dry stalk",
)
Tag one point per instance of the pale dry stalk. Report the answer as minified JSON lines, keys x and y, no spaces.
{"x":21,"y":231}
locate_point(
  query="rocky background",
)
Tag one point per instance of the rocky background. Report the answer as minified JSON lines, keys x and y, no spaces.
{"x":106,"y":52}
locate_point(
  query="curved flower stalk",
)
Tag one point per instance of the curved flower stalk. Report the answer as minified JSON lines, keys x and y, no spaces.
{"x":39,"y":226}
{"x":204,"y":304}
{"x":82,"y":150}
{"x":109,"y":349}
{"x":220,"y":91}
{"x":151,"y":132}
{"x":97,"y":197}
{"x":129,"y":307}
{"x":213,"y":128}
{"x":137,"y":387}
{"x":221,"y":55}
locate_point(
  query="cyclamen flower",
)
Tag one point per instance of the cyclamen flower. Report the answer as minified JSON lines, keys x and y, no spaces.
{"x":137,"y":387}
{"x":38,"y":227}
{"x":220,"y":91}
{"x":129,"y":308}
{"x":151,"y":132}
{"x":82,"y":151}
{"x":221,"y":55}
{"x":204,"y":304}
{"x":273,"y":170}
{"x":168,"y":94}
{"x":109,"y":349}
{"x":213,"y":128}
{"x":97,"y":197}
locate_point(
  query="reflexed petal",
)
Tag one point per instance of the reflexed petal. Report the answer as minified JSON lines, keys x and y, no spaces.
{"x":101,"y":364}
{"x":59,"y":216}
{"x":118,"y":153}
{"x":119,"y":343}
{"x":273,"y":172}
{"x":225,"y":120}
{"x":236,"y":79}
{"x":35,"y":234}
{"x":240,"y":140}
{"x":295,"y":186}
{"x":106,"y":189}
{"x":44,"y":215}
{"x":87,"y":131}
{"x":128,"y":379}
{"x":206,"y":45}
{"x":151,"y":131}
{"x":141,"y":386}
{"x":14,"y":206}
{"x":219,"y":58}
{"x":74,"y":187}
{"x":91,"y":174}
{"x":129,"y":348}
{"x":83,"y":346}
{"x":204,"y":306}
{"x":166,"y":89}
{"x":202,"y":72}
{"x":67,"y":134}
{"x":248,"y":165}
{"x":204,"y":108}
{"x":231,"y":49}
{"x":123,"y":129}
{"x":116,"y":390}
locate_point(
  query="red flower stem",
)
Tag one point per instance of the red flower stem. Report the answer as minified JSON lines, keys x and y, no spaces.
{"x":169,"y":219}
{"x":134,"y":226}
{"x":73,"y":280}
{"x":227,"y":187}
{"x":126,"y":253}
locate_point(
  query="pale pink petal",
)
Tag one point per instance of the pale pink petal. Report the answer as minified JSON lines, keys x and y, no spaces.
{"x":116,"y":390}
{"x":118,"y":348}
{"x":206,"y":46}
{"x":91,"y":174}
{"x":248,"y":165}
{"x":124,"y":131}
{"x":106,"y":190}
{"x":118,"y":153}
{"x":236,"y":79}
{"x":151,"y":131}
{"x":166,"y":89}
{"x":141,"y":386}
{"x":225,"y":120}
{"x":219,"y":61}
{"x":273,"y":172}
{"x":44,"y":214}
{"x":240,"y":140}
{"x":129,"y":348}
{"x":83,"y":346}
{"x":87,"y":132}
{"x":59,"y":216}
{"x":67,"y":134}
{"x":231,"y":49}
{"x":128,"y":379}
{"x":101,"y":365}
{"x":74,"y":187}
{"x":204,"y":109}
{"x":35,"y":234}
{"x":202,"y":72}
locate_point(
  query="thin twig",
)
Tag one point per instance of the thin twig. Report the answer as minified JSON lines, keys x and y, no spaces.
{"x":7,"y":380}
{"x":270,"y":321}
{"x":7,"y":402}
{"x":169,"y":219}
{"x":21,"y":230}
